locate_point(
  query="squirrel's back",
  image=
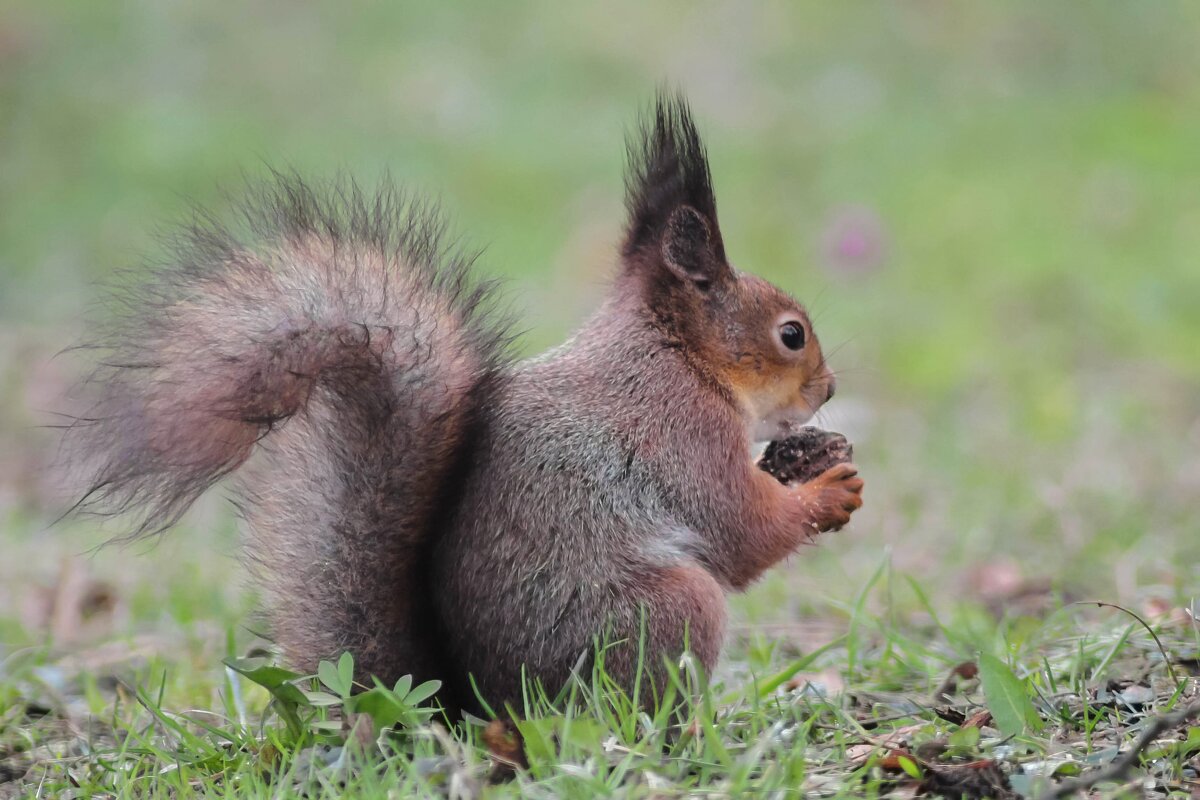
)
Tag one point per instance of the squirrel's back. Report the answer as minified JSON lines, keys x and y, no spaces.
{"x":572,"y":496}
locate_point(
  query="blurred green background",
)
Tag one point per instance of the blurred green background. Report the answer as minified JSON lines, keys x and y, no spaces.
{"x":992,"y":210}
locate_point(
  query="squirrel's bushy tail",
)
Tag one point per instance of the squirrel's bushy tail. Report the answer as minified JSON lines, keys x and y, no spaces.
{"x":332,"y":331}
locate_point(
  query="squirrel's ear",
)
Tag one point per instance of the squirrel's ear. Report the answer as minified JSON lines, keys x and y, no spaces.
{"x":687,"y":248}
{"x":669,"y":196}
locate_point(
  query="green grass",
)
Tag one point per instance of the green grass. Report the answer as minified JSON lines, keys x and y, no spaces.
{"x":1018,"y":366}
{"x":821,"y":722}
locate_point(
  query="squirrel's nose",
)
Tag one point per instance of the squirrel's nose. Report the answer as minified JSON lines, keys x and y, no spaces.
{"x":830,"y":388}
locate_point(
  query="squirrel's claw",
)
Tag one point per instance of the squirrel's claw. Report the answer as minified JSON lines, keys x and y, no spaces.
{"x":833,"y":496}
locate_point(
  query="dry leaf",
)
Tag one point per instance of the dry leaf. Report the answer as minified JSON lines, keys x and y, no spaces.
{"x":978,"y":720}
{"x":507,"y":749}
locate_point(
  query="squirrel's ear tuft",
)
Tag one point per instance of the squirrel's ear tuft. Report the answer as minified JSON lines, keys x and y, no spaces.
{"x":669,"y":196}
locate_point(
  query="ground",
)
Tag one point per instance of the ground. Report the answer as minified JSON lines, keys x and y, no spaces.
{"x":992,"y":212}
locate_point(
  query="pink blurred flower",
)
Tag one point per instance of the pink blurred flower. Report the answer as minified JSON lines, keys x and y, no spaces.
{"x":853,"y":241}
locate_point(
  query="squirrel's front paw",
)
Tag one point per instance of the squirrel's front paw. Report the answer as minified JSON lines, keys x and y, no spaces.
{"x":831,"y":497}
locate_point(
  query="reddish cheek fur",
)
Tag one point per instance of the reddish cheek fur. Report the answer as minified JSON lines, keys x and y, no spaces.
{"x":752,"y":362}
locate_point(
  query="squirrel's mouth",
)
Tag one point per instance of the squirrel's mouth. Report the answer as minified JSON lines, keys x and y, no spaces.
{"x":780,"y":425}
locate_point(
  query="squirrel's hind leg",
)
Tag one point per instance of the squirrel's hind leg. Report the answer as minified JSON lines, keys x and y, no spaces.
{"x":672,"y":608}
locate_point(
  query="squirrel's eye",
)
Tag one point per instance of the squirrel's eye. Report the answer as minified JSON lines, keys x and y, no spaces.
{"x":792,"y":335}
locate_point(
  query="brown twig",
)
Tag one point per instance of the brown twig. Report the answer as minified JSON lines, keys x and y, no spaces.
{"x":1120,"y":765}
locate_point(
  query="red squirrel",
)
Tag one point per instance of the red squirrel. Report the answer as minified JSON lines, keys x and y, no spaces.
{"x":427,"y":502}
